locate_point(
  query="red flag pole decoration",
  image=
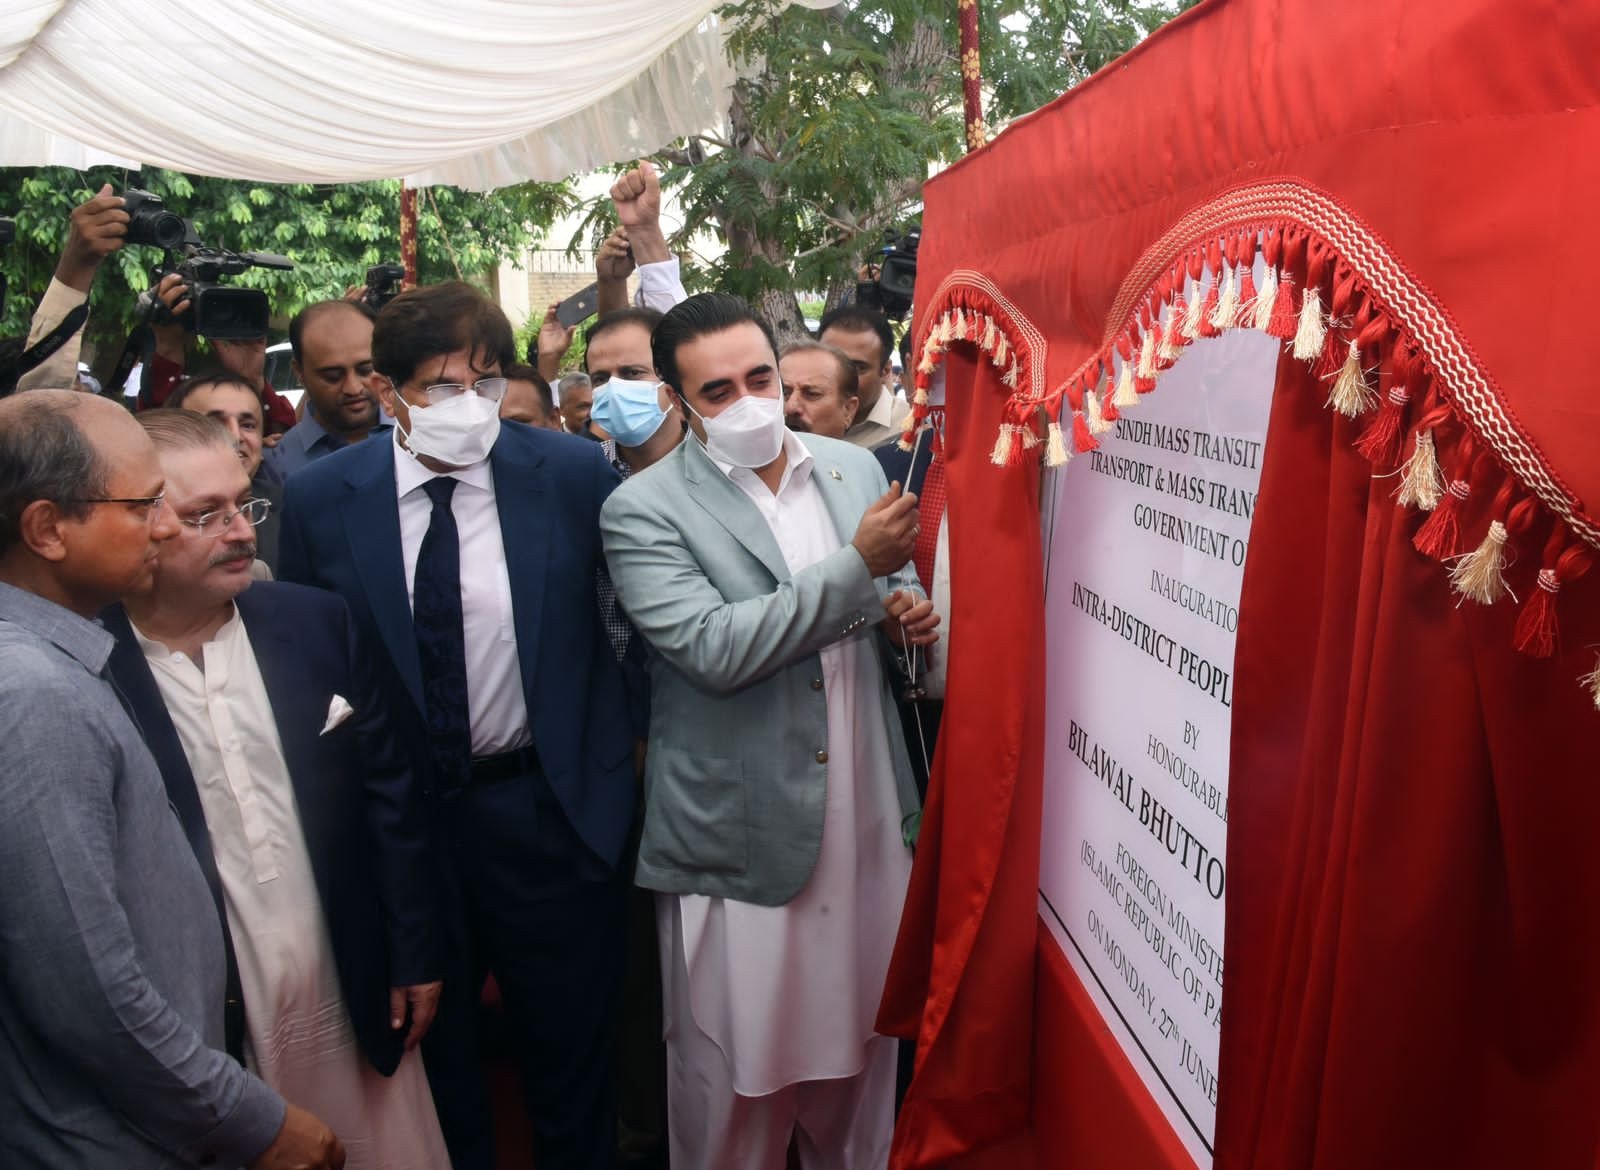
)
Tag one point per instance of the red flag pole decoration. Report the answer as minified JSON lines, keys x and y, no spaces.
{"x":408,"y":232}
{"x":971,"y":75}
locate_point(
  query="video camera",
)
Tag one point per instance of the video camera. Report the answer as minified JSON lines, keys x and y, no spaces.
{"x":383,"y":285}
{"x":215,"y":310}
{"x":892,"y":292}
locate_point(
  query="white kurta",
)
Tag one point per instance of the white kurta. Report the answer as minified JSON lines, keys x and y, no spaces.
{"x":298,"y":1033}
{"x":790,"y":993}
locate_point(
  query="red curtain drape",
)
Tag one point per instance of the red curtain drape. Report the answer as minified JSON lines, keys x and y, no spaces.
{"x":1412,"y":968}
{"x":970,"y":922}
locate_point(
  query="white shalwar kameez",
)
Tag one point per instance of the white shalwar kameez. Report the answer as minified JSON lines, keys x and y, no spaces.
{"x":298,"y":1033}
{"x":770,"y":1010}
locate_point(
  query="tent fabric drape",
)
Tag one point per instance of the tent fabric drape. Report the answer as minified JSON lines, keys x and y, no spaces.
{"x":1407,"y":788}
{"x":476,"y":93}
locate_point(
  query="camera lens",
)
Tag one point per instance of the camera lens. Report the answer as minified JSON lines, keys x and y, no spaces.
{"x":161,"y":228}
{"x":149,"y":222}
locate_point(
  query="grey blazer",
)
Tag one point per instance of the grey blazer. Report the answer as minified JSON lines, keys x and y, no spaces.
{"x":738,"y":749}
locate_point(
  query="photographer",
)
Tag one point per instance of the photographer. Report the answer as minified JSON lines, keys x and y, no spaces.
{"x":245,"y":358}
{"x":95,"y":230}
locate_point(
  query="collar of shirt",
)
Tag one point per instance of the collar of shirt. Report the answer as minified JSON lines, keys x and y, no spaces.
{"x":160,"y":650}
{"x":797,"y":469}
{"x":410,"y":474}
{"x":308,"y":434}
{"x":882,"y":411}
{"x":86,"y":641}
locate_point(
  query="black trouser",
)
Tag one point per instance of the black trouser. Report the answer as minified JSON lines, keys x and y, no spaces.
{"x":642,"y":1068}
{"x":538,"y":909}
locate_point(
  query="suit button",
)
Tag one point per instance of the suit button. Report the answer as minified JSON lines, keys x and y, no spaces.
{"x":816,"y":684}
{"x":822,"y":757}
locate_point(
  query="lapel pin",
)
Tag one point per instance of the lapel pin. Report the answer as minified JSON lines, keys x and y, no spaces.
{"x":836,"y":475}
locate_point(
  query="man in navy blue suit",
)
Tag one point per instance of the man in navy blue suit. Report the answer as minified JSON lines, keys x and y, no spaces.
{"x":470,"y":551}
{"x":273,"y":742}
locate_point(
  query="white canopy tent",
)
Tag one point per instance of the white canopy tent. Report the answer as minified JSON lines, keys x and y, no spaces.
{"x":474,"y":93}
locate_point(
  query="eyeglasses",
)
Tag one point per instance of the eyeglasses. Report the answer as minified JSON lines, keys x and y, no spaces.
{"x":146,"y":506}
{"x":216,"y":523}
{"x":493,"y":389}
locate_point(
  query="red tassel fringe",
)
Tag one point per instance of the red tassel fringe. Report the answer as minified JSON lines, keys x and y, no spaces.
{"x":1247,"y":297}
{"x":1440,"y":535}
{"x":1536,"y":624}
{"x":1335,"y":348}
{"x":1082,"y":440}
{"x":1381,"y":442}
{"x":1285,"y":317}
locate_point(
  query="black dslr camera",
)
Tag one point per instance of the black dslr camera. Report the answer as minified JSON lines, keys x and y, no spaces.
{"x":149,"y":221}
{"x":215,"y":309}
{"x":892,"y":292}
{"x":383,"y":285}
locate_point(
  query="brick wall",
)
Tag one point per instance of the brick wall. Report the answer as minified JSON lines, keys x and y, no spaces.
{"x":554,"y":276}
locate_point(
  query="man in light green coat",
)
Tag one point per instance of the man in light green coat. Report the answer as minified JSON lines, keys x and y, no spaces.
{"x":760,"y":567}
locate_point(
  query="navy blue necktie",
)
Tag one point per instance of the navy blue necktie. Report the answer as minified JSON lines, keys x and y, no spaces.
{"x":442,"y":641}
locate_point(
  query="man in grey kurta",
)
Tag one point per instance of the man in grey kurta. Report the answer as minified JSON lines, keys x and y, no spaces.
{"x":111,"y":961}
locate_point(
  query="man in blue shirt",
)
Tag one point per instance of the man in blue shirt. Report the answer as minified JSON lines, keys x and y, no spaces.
{"x":332,"y":344}
{"x":111,"y":959}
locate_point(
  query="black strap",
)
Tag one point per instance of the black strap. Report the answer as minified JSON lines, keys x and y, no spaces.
{"x":139,"y":349}
{"x":37,"y":353}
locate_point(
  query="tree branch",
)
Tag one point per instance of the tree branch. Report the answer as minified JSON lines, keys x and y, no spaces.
{"x":847,"y":226}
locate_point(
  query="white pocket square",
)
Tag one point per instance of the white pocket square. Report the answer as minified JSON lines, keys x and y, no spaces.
{"x":338,"y":711}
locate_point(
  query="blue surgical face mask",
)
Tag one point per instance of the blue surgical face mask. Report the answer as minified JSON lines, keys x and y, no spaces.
{"x":630,"y":412}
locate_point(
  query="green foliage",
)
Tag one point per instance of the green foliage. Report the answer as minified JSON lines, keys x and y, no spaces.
{"x":829,"y":141}
{"x":332,"y":233}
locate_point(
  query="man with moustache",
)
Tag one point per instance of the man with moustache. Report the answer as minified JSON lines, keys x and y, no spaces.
{"x":276,"y":750}
{"x":230,"y":400}
{"x":332,"y":346}
{"x":820,"y":389}
{"x":111,"y":985}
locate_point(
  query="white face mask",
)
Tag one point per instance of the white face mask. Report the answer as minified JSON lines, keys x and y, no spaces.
{"x":748,"y":434}
{"x":457,"y":432}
